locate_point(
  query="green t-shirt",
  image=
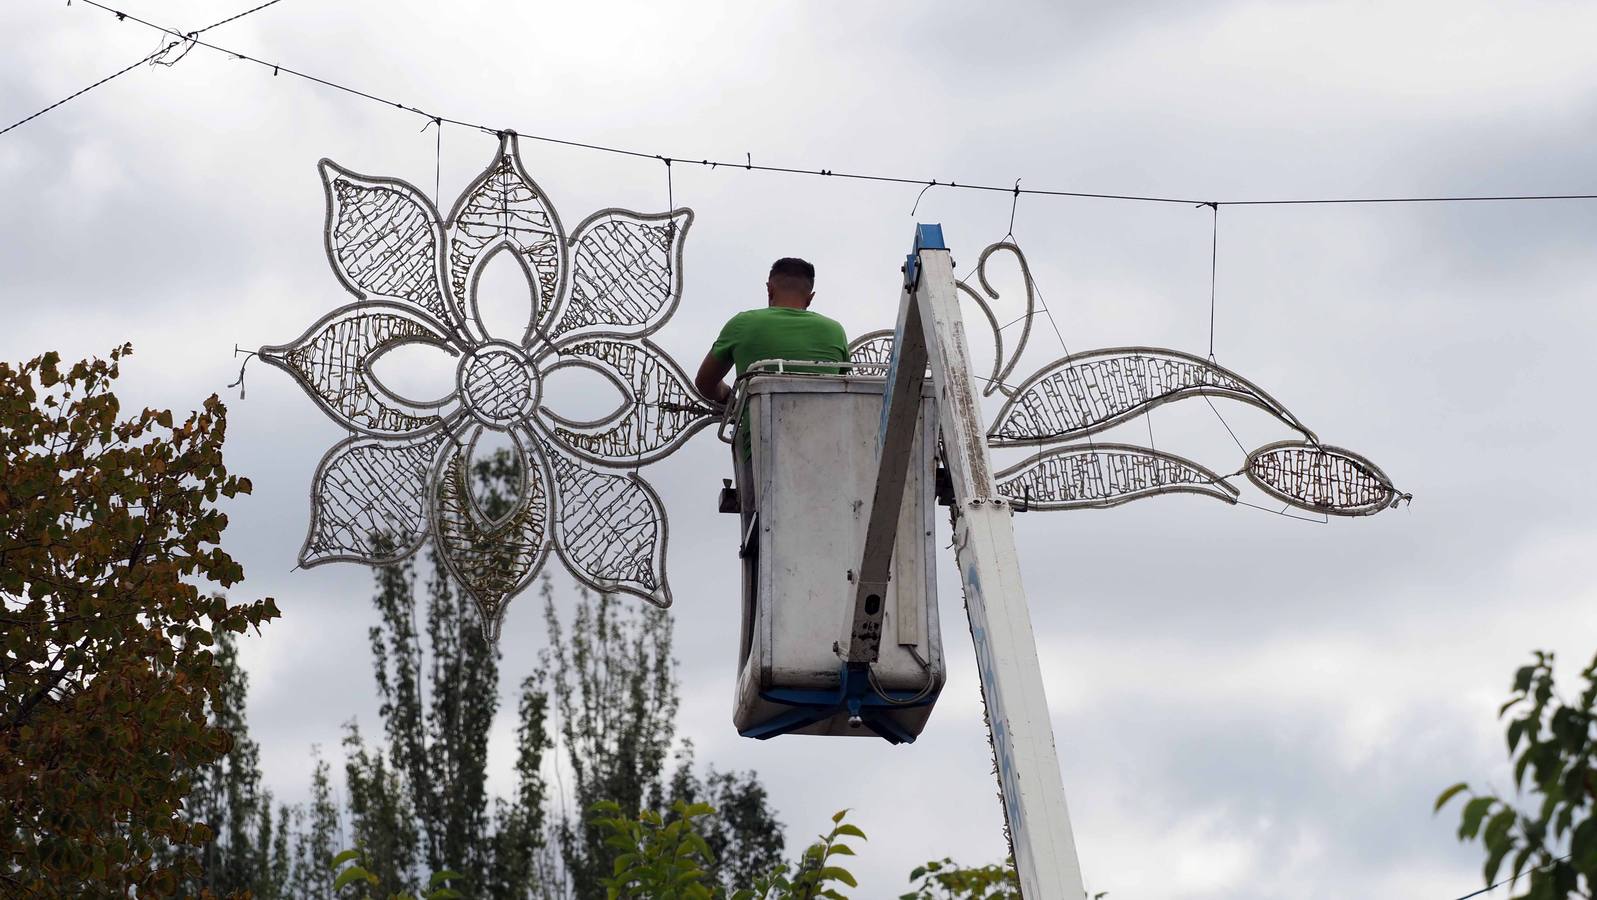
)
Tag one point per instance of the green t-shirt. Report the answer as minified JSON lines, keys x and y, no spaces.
{"x":780,"y":332}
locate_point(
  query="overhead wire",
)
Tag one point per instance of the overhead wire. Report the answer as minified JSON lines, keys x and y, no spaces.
{"x":749,"y":165}
{"x":1516,"y":875}
{"x":75,"y":95}
{"x":152,"y":58}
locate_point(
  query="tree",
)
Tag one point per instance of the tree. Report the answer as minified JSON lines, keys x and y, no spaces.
{"x":741,"y":830}
{"x":108,"y":530}
{"x":659,"y":856}
{"x":426,"y":788}
{"x":616,"y":696}
{"x":944,"y":879}
{"x":441,"y":746}
{"x":380,"y":816}
{"x":315,"y":842}
{"x":1554,"y":742}
{"x":250,"y":850}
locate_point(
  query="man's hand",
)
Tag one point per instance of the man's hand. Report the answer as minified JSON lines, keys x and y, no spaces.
{"x":711,"y":379}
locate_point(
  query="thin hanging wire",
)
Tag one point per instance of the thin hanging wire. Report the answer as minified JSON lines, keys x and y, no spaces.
{"x":438,"y":160}
{"x":153,"y":58}
{"x":749,"y":165}
{"x":1214,"y":266}
{"x":75,"y":95}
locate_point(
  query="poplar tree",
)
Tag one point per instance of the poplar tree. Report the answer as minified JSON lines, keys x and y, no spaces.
{"x":250,"y":850}
{"x":616,"y":694}
{"x":420,"y":800}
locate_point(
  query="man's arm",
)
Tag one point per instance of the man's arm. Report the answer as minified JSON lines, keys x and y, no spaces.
{"x":711,"y":379}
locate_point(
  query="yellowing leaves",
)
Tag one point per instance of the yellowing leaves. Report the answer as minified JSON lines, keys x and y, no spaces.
{"x":104,"y":524}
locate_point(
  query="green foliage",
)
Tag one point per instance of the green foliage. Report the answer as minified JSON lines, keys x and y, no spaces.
{"x":616,"y":694}
{"x":380,"y":816}
{"x":816,"y":871}
{"x":315,"y":841}
{"x":656,"y":857}
{"x":667,"y":857}
{"x":108,"y":533}
{"x":1552,"y":742}
{"x":251,"y":849}
{"x":421,"y":797}
{"x":352,"y":879}
{"x":945,"y":880}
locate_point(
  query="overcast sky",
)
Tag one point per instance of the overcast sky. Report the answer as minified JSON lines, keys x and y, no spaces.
{"x":1246,"y":706}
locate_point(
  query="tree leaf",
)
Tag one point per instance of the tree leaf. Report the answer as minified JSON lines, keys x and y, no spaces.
{"x":837,"y":873}
{"x":848,"y":830}
{"x":351,"y":874}
{"x":1496,"y":833}
{"x":1474,"y":811}
{"x":440,"y":877}
{"x":1441,"y":801}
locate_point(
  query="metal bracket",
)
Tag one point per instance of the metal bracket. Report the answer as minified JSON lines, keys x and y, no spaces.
{"x":927,"y":237}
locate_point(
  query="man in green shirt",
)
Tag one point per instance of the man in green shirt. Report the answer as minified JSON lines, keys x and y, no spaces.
{"x":784,"y":329}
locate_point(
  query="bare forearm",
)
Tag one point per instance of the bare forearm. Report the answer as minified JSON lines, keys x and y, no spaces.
{"x":709,"y":380}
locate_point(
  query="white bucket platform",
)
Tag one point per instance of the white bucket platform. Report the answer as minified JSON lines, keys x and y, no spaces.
{"x":805,"y":492}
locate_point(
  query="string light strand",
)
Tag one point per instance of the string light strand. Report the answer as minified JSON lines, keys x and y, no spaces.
{"x":749,"y":165}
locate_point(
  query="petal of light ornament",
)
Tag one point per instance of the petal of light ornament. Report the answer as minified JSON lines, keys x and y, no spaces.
{"x":331,"y":361}
{"x":1323,"y":479}
{"x":1088,"y":392}
{"x":661,"y":410}
{"x":626,"y":272}
{"x":384,"y":240}
{"x":504,"y":206}
{"x":494,"y":559}
{"x":610,"y":529}
{"x":1105,"y":475}
{"x":872,"y":352}
{"x":369,"y":500}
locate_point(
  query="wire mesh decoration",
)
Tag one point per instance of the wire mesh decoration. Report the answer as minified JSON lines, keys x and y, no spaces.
{"x":405,"y":472}
{"x":1057,"y":409}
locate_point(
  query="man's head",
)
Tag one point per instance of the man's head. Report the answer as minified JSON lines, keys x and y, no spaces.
{"x":791,"y":284}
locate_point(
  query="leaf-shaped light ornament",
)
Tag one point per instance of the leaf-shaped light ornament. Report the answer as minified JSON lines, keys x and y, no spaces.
{"x":1088,"y":392}
{"x":332,"y":363}
{"x":406,"y":472}
{"x":383,"y":239}
{"x":871,"y":352}
{"x":626,"y":272}
{"x":493,"y":558}
{"x":1105,"y":475}
{"x":661,"y":410}
{"x":611,"y":530}
{"x":1323,"y":479}
{"x":371,"y":500}
{"x":504,"y":207}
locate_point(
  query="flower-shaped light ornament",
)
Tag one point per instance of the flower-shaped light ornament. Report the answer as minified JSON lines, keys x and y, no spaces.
{"x":404,"y":471}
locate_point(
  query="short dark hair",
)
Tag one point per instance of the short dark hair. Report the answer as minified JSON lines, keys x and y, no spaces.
{"x":791,"y":267}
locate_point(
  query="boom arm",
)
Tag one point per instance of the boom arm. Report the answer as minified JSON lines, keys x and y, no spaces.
{"x":930,"y":331}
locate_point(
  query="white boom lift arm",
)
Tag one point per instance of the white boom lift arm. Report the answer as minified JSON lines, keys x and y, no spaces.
{"x":930,"y":333}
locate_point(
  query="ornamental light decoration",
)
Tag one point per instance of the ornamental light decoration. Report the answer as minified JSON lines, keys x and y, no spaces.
{"x":1057,"y":410}
{"x":403,"y":473}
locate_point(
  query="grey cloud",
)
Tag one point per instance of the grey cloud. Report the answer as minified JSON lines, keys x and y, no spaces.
{"x":180,"y":209}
